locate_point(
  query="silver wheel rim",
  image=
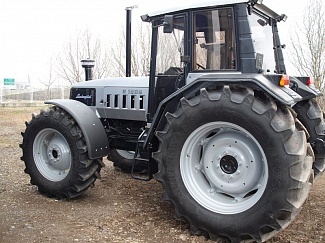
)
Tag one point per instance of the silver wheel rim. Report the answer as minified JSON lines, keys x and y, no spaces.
{"x":125,"y":154}
{"x":224,"y":168}
{"x":52,"y":154}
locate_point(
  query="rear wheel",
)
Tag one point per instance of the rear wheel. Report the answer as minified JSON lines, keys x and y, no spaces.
{"x":56,"y":156}
{"x":234,"y":164}
{"x":224,"y":167}
{"x":311,"y":116}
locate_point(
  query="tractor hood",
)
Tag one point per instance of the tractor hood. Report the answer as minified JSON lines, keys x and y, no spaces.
{"x":114,"y":82}
{"x":114,"y":98}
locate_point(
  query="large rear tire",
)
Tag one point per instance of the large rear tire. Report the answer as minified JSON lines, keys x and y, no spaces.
{"x":311,"y":116}
{"x":234,"y":164}
{"x":56,"y":157}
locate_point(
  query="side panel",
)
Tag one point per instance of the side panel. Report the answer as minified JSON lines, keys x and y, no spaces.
{"x":114,"y":98}
{"x":124,"y":103}
{"x":246,"y":50}
{"x":90,"y":125}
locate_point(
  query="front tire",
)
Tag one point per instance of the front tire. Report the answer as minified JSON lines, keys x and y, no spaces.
{"x":234,"y":164}
{"x":56,"y":156}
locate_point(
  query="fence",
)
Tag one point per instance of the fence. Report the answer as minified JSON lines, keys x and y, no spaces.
{"x":31,"y":96}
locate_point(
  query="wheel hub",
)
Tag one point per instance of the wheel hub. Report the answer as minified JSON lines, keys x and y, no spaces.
{"x":228,"y":164}
{"x":231,"y":163}
{"x":52,"y":154}
{"x":58,"y":153}
{"x":223,"y":167}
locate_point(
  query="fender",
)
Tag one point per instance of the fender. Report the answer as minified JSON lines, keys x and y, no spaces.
{"x":307,"y":92}
{"x":91,"y":126}
{"x":283,"y":95}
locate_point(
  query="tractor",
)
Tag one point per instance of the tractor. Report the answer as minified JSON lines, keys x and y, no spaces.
{"x":234,"y":140}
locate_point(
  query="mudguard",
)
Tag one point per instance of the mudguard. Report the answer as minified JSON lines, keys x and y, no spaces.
{"x":307,"y":92}
{"x":91,"y":126}
{"x":284,"y":95}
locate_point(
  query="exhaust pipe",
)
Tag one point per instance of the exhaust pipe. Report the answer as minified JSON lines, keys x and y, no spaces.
{"x":128,"y":40}
{"x":88,"y":65}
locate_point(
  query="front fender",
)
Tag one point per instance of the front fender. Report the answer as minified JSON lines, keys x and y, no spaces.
{"x":91,"y":126}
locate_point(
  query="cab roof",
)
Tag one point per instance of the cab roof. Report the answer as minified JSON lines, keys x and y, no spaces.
{"x":198,"y":4}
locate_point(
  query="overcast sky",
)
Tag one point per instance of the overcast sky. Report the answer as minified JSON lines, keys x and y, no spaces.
{"x":34,"y":31}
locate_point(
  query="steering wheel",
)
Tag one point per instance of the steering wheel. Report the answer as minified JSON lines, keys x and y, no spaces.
{"x":200,"y":66}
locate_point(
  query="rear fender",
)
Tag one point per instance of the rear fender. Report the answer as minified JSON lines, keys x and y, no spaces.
{"x":91,"y":126}
{"x":307,"y":92}
{"x":283,"y":95}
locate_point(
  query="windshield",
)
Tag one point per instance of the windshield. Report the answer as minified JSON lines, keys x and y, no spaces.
{"x":263,"y":43}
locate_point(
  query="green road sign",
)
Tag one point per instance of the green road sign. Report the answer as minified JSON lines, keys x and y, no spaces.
{"x":9,"y":81}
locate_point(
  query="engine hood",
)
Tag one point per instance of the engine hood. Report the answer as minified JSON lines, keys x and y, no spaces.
{"x":142,"y":82}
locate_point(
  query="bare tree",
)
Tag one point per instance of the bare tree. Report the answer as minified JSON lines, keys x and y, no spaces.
{"x":117,"y":68}
{"x":83,"y":46}
{"x":141,"y":51}
{"x":112,"y":62}
{"x":140,"y":56}
{"x":308,"y":44}
{"x":168,"y":53}
{"x":48,"y":83}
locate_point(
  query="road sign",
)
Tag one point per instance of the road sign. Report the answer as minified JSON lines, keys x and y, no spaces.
{"x":9,"y":81}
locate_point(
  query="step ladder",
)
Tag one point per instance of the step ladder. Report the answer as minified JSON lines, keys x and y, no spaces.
{"x":137,"y":158}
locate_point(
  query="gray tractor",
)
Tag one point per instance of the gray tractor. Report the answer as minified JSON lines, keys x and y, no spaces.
{"x":235,"y":142}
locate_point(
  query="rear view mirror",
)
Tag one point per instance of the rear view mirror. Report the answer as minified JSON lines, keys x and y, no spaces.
{"x":168,"y":24}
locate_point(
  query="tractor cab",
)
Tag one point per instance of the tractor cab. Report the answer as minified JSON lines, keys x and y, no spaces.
{"x":223,"y":37}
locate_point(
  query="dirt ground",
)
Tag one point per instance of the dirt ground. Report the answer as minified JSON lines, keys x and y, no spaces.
{"x":117,"y":209}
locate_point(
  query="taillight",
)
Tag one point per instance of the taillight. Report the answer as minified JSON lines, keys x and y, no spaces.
{"x":284,"y":81}
{"x":310,"y":81}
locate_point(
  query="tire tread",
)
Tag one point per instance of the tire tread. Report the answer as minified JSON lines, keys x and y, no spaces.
{"x":86,"y":170}
{"x":282,"y":121}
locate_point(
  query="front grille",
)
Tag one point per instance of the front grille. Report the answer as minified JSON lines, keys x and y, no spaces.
{"x":84,"y":95}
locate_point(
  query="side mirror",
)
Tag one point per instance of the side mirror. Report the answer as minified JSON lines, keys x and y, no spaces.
{"x":168,"y":24}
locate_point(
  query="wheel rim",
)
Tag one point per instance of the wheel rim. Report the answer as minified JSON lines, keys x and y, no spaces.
{"x":125,"y":153}
{"x":223,"y":167}
{"x":52,"y":154}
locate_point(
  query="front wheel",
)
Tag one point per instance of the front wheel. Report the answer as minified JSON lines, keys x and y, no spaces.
{"x":234,"y":164}
{"x":56,"y":156}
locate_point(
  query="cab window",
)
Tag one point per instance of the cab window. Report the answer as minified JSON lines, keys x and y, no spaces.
{"x":214,"y":41}
{"x":170,"y":46}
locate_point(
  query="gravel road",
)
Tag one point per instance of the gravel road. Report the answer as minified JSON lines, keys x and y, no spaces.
{"x":117,"y":209}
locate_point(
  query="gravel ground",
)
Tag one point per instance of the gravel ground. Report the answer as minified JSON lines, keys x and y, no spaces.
{"x":117,"y":209}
